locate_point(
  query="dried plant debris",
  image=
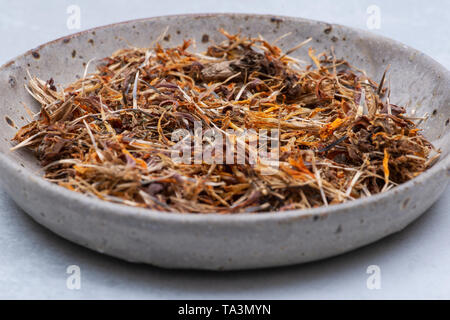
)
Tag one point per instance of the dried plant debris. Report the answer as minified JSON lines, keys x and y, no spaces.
{"x":109,"y":134}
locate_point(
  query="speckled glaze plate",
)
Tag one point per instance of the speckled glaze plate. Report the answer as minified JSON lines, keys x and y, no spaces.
{"x":224,"y":242}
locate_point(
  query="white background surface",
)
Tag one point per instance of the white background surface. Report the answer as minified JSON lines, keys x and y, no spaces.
{"x":414,"y":263}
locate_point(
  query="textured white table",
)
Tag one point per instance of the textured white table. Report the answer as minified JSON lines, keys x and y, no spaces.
{"x":414,"y":263}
